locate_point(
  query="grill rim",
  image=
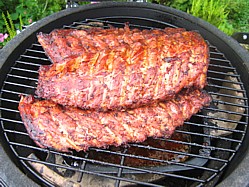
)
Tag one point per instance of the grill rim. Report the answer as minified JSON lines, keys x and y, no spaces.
{"x":19,"y":42}
{"x":34,"y":28}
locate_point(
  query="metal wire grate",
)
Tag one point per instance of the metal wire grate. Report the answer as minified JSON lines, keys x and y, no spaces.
{"x":204,"y":146}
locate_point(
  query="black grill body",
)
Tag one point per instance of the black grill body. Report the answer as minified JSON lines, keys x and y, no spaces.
{"x":212,"y":156}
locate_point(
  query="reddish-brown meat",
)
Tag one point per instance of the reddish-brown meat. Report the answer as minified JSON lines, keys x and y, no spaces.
{"x":64,"y":128}
{"x":120,"y":68}
{"x":63,"y":44}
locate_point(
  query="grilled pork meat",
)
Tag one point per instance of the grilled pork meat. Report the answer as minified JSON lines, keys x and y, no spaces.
{"x":64,"y":128}
{"x":62,"y":44}
{"x":120,"y":68}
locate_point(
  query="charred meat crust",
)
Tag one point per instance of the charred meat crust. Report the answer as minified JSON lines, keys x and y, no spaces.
{"x":120,"y":68}
{"x":65,"y":128}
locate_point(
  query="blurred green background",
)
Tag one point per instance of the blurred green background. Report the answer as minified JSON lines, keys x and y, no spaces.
{"x":229,"y":16}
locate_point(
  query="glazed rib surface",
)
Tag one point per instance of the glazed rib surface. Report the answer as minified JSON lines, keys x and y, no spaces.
{"x":120,"y":68}
{"x":65,"y":128}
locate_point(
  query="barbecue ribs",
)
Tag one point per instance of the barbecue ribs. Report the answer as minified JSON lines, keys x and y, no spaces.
{"x":120,"y":68}
{"x":64,"y":128}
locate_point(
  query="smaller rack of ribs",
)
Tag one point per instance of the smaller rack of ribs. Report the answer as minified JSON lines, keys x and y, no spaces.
{"x":119,"y":68}
{"x":64,"y":128}
{"x":115,"y":86}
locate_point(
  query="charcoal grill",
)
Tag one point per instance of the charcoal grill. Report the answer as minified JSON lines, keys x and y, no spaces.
{"x":209,"y":151}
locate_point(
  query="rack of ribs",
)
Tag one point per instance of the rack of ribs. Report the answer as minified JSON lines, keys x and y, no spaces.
{"x":64,"y":128}
{"x":120,"y":68}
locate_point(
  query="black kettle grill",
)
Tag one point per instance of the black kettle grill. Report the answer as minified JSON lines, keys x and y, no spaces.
{"x":212,"y":148}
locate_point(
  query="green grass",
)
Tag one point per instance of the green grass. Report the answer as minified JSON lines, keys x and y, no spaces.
{"x":214,"y":12}
{"x":228,"y":15}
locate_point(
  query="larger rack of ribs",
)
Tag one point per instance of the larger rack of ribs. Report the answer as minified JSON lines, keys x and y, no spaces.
{"x":115,"y":86}
{"x":120,"y":68}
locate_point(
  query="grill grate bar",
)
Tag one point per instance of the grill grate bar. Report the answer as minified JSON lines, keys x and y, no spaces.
{"x":106,"y":21}
{"x":224,"y":80}
{"x":11,"y":120}
{"x":223,"y":73}
{"x":16,"y":132}
{"x":225,"y":120}
{"x":179,"y":153}
{"x":120,"y":170}
{"x":222,"y":119}
{"x":214,"y":127}
{"x":79,"y":26}
{"x":230,"y":96}
{"x":9,"y":100}
{"x":225,"y":111}
{"x":210,"y":136}
{"x":22,"y":77}
{"x":21,"y":85}
{"x":214,"y":48}
{"x":35,"y":51}
{"x":14,"y":92}
{"x":212,"y":148}
{"x":83,"y":167}
{"x":220,"y":60}
{"x":35,"y":57}
{"x":215,"y":52}
{"x":9,"y":110}
{"x":221,"y":66}
{"x":37,"y":45}
{"x":28,"y":63}
{"x":225,"y":87}
{"x":24,"y":70}
{"x":231,"y":104}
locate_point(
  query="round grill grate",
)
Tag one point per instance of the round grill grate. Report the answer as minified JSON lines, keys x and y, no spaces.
{"x":195,"y":155}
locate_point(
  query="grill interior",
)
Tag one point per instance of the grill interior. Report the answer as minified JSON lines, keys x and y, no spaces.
{"x":204,"y":146}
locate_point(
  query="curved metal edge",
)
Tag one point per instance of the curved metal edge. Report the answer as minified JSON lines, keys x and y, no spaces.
{"x":239,"y":177}
{"x":10,"y":175}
